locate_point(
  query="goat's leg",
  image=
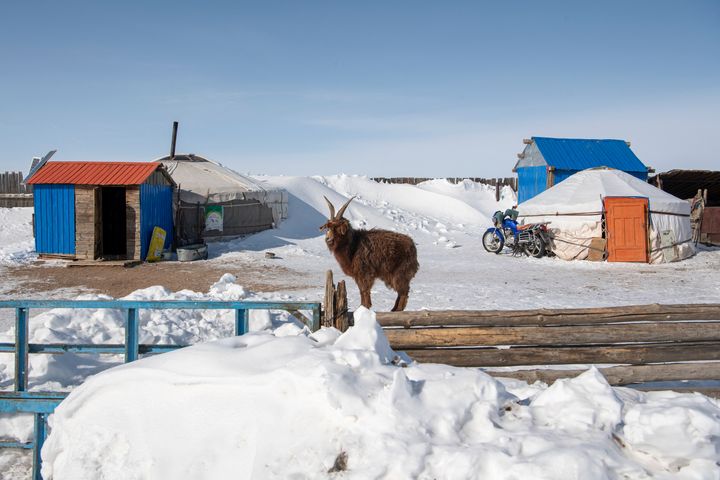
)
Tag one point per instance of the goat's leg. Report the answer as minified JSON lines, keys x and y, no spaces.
{"x":397,"y":303}
{"x":365,"y":298}
{"x":401,"y":301}
{"x":365,"y":288}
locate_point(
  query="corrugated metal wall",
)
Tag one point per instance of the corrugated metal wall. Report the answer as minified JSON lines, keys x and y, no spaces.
{"x":55,"y":219}
{"x":560,"y":175}
{"x":531,"y":181}
{"x":155,"y":211}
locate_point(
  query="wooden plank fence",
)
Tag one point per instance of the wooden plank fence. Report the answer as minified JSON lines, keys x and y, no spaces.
{"x":630,"y":344}
{"x":498,"y":183}
{"x":12,"y":191}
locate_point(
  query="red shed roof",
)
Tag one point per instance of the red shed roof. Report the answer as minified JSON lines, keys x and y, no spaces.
{"x":94,"y":173}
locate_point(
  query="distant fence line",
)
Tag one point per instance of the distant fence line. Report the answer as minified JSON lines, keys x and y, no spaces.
{"x":13,"y":193}
{"x":507,"y":181}
{"x":498,"y":183}
{"x":11,"y":182}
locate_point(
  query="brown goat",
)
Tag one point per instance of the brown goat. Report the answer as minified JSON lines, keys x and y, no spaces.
{"x":366,"y":255}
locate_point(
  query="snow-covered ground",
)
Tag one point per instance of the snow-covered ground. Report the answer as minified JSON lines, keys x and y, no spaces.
{"x":447,"y":221}
{"x":283,"y":403}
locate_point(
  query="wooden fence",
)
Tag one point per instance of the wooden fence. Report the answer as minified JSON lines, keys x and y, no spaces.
{"x":12,"y":191}
{"x":498,"y":183}
{"x":630,"y":344}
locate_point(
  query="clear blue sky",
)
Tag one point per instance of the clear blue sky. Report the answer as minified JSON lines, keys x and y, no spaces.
{"x":394,"y":88}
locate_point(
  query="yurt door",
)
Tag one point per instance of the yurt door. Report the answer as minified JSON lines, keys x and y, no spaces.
{"x":626,"y":219}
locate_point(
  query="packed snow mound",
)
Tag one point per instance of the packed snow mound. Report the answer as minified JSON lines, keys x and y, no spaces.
{"x":435,"y":212}
{"x":392,"y":206}
{"x":174,"y":327}
{"x":477,"y":195}
{"x":265,"y":405}
{"x":16,"y":236}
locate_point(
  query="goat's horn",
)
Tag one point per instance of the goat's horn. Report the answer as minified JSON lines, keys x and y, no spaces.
{"x":332,"y":208}
{"x":342,"y":210}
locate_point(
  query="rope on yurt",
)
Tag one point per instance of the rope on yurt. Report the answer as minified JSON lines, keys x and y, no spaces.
{"x":605,"y":253}
{"x":670,"y":246}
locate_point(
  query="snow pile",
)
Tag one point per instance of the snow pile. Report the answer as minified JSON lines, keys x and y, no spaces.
{"x":418,"y":210}
{"x":304,"y":406}
{"x":158,"y":327}
{"x":16,"y":237}
{"x":477,"y":195}
{"x":63,"y":325}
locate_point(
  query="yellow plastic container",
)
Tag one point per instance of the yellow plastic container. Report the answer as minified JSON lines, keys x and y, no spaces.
{"x":156,"y":245}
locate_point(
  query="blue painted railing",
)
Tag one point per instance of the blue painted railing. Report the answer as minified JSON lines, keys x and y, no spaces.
{"x":42,"y":404}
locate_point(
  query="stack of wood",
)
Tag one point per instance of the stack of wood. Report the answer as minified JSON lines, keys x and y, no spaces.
{"x":646,"y":343}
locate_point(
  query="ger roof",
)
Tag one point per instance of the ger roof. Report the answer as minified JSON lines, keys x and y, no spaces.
{"x":94,"y":173}
{"x":580,"y":154}
{"x":200,"y":179}
{"x":583,"y":192}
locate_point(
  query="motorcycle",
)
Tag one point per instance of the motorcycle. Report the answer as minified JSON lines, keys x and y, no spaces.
{"x":531,"y":239}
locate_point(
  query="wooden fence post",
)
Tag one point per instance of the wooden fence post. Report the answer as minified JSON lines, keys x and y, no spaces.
{"x":328,"y":318}
{"x":341,"y":307}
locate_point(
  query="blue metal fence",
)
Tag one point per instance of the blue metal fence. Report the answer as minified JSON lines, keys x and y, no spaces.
{"x":41,"y":404}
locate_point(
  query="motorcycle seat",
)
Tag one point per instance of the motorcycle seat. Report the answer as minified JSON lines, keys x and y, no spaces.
{"x":524,"y":227}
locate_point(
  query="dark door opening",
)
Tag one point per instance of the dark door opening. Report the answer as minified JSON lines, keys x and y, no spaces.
{"x":114,"y":241}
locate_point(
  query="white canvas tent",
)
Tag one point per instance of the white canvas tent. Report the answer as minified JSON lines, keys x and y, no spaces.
{"x":575,"y":209}
{"x":237,"y":204}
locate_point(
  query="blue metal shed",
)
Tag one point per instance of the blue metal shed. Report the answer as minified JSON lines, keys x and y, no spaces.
{"x":548,"y":161}
{"x":101,"y":210}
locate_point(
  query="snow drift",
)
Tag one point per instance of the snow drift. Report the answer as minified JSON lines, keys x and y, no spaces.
{"x":272,"y":405}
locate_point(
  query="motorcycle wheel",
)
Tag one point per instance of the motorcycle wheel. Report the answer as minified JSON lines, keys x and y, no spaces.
{"x":493,"y":242}
{"x":536,"y":248}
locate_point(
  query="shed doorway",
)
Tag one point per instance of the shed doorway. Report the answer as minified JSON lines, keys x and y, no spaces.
{"x":626,"y":220}
{"x":110,"y":223}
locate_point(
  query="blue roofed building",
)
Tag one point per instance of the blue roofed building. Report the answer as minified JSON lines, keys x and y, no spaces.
{"x":548,"y":161}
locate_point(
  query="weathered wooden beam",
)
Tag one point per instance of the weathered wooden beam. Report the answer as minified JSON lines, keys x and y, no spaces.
{"x":329,"y":301}
{"x":414,"y":338}
{"x":707,"y":391}
{"x":632,"y":354}
{"x":624,"y":375}
{"x":571,"y":316}
{"x":341,"y":307}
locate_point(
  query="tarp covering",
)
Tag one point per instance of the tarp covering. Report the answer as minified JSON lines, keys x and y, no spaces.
{"x":575,"y":210}
{"x":215,"y":202}
{"x":202,"y":180}
{"x":243,"y":204}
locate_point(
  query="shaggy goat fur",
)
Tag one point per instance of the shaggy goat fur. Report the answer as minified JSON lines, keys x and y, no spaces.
{"x":366,"y":255}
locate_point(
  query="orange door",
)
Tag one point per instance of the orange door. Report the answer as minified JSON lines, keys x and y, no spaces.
{"x":626,"y":220}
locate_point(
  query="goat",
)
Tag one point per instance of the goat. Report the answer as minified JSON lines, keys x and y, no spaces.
{"x":366,"y":255}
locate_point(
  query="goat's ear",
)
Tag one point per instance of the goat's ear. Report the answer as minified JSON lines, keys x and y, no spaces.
{"x":343,"y":228}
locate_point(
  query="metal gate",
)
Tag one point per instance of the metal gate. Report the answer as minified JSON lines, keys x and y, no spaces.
{"x":42,"y":404}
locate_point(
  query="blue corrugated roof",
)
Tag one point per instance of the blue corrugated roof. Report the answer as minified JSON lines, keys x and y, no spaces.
{"x":579,"y":154}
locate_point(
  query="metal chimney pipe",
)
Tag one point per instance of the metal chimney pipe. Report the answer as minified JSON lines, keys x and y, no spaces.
{"x":174,"y":140}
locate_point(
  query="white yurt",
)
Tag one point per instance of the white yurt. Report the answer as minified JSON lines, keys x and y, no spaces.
{"x":603,"y":208}
{"x":214,"y":202}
